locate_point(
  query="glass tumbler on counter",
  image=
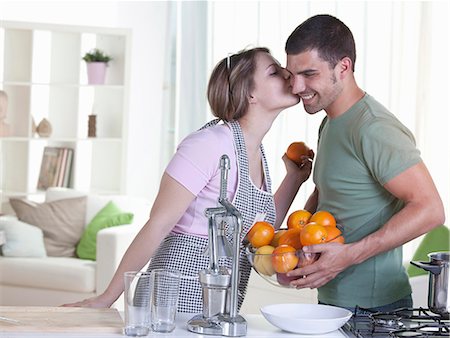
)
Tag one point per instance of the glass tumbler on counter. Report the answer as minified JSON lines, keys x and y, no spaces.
{"x":137,"y":293}
{"x":164,"y":299}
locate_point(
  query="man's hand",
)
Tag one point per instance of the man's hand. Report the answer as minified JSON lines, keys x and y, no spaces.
{"x":334,"y":258}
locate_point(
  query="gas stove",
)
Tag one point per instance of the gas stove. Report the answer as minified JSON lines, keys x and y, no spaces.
{"x":404,"y":322}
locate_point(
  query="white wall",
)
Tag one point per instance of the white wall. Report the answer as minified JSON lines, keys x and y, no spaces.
{"x":147,"y":20}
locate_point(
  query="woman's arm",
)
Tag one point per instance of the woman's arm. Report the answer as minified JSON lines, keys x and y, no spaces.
{"x":286,"y":192}
{"x":170,"y":204}
{"x":313,"y":201}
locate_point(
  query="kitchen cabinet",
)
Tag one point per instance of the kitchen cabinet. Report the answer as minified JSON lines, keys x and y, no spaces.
{"x":44,"y":76}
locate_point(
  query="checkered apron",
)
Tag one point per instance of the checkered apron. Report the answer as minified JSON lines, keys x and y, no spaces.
{"x":189,"y":254}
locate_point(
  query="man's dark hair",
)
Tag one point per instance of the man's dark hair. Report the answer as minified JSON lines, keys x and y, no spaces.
{"x":332,"y":39}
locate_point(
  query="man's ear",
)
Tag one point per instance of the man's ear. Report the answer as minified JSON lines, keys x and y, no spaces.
{"x":345,"y":66}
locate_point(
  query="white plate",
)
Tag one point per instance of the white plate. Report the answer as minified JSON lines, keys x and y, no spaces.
{"x":306,"y":318}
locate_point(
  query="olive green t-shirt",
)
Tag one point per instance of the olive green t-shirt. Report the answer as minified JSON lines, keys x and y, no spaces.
{"x":358,"y":152}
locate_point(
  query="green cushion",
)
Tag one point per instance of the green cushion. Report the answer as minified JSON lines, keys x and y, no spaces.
{"x":109,"y":216}
{"x":434,"y":241}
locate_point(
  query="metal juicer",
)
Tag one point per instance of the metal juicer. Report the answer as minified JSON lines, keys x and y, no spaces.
{"x":219,"y":284}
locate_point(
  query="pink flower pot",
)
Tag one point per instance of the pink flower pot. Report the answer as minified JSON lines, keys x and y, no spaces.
{"x":96,"y":72}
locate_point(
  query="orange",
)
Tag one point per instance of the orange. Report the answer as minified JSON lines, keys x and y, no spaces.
{"x":313,"y":233}
{"x":298,"y":219}
{"x":260,"y":234}
{"x":291,"y":237}
{"x":296,"y":150}
{"x":262,"y":261}
{"x":334,"y":235}
{"x":284,"y":258}
{"x":276,"y":237}
{"x":324,"y":218}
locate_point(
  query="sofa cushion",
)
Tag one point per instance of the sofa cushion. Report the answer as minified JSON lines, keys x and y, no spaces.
{"x":111,"y":215}
{"x":61,"y":221}
{"x":140,"y":207}
{"x":22,"y":239}
{"x":58,"y":273}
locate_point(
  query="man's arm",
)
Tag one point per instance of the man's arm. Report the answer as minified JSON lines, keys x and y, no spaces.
{"x":422,"y":212}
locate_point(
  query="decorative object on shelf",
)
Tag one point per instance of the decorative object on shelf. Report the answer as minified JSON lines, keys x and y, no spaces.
{"x":92,"y":126}
{"x":96,"y":63}
{"x":44,"y":128}
{"x":56,"y":167}
{"x":5,"y":129}
{"x":33,"y":127}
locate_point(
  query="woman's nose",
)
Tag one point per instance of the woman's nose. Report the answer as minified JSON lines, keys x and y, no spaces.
{"x":285,"y":73}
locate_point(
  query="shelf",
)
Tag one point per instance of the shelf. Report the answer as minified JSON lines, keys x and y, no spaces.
{"x":54,"y":84}
{"x":42,"y":72}
{"x":67,"y":139}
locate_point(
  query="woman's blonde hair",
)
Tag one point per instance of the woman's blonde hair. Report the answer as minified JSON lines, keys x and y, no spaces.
{"x":231,"y":84}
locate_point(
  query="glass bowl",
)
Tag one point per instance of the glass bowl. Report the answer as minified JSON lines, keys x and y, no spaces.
{"x":267,"y":264}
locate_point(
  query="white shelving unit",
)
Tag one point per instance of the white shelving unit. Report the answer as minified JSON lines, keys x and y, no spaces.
{"x":42,"y":71}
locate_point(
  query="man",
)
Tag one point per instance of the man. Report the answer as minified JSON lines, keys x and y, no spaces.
{"x":368,"y":173}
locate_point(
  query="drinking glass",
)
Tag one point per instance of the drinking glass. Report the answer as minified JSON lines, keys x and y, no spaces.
{"x":164,"y":299}
{"x":137,"y":303}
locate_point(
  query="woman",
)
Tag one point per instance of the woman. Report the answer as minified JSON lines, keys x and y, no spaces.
{"x":246,"y":91}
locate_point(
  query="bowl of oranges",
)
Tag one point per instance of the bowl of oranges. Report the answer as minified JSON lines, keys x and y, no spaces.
{"x":273,"y":253}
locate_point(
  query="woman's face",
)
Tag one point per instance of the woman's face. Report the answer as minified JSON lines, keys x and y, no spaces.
{"x":272,"y":91}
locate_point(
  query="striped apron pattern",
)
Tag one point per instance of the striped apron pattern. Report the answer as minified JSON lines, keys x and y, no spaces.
{"x":189,"y":254}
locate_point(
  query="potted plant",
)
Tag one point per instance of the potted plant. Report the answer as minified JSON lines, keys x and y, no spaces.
{"x":96,"y":63}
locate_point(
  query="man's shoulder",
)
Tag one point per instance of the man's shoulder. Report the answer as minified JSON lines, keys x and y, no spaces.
{"x":374,"y":110}
{"x":374,"y":116}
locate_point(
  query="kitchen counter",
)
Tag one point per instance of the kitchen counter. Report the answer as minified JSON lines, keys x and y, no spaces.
{"x":257,"y":326}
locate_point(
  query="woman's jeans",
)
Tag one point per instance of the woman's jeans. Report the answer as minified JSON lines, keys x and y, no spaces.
{"x":402,"y":303}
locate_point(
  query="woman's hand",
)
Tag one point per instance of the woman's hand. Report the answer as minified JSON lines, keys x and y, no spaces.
{"x":302,"y":169}
{"x":94,"y":302}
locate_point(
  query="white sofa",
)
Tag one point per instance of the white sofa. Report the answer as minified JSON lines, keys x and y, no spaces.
{"x":51,"y":281}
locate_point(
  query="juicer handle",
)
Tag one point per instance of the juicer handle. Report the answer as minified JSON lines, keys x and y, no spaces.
{"x":434,"y":269}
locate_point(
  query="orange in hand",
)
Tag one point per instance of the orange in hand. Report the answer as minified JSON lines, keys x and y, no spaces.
{"x":298,"y":219}
{"x":324,"y":218}
{"x":313,"y":233}
{"x":296,"y":150}
{"x":284,"y":258}
{"x":260,"y":234}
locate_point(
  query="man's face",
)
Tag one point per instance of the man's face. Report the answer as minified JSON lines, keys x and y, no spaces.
{"x":313,"y":81}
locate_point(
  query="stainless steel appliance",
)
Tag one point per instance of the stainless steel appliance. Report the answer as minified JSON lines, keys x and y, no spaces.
{"x":438,"y":268}
{"x":417,"y":322}
{"x":219,"y":284}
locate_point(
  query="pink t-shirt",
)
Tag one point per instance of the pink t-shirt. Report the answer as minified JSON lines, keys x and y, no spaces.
{"x":195,"y":165}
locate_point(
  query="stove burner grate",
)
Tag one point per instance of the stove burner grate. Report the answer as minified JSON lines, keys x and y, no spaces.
{"x":386,"y":320}
{"x":403,"y":322}
{"x":431,"y":331}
